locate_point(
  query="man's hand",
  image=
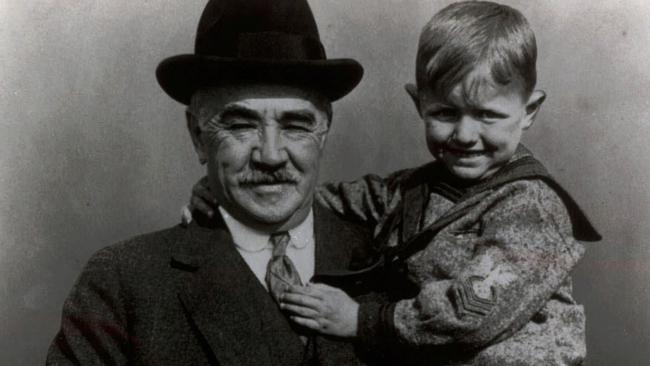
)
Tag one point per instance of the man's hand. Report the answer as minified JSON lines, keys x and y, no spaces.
{"x":325,"y":309}
{"x":201,"y":200}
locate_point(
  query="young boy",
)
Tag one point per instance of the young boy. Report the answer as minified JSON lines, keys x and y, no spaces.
{"x":476,"y":247}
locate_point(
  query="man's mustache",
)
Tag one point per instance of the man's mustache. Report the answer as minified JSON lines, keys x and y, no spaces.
{"x":280,"y":176}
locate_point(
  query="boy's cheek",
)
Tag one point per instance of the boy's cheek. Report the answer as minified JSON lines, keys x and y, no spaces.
{"x":433,"y":148}
{"x":436,"y":136}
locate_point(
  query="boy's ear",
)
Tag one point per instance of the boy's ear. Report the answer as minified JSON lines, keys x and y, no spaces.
{"x":195,"y":132}
{"x":533,"y":106}
{"x":412,"y":91}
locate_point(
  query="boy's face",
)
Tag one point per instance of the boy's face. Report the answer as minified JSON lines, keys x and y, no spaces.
{"x":475,"y":130}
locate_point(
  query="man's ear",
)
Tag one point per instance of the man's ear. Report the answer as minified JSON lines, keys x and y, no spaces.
{"x":412,"y":91}
{"x":533,"y":106}
{"x":195,"y":132}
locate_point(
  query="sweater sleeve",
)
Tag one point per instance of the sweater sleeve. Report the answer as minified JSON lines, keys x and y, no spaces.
{"x":522,"y":255}
{"x":366,"y":200}
{"x":93,"y":325}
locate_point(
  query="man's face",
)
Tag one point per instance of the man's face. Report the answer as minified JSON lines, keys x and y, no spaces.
{"x":475,"y":130}
{"x":263,"y":145}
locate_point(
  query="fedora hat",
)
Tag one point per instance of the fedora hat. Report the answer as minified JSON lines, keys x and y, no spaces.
{"x":273,"y":41}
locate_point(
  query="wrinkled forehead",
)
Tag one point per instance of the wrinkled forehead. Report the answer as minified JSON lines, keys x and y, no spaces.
{"x":208,"y":102}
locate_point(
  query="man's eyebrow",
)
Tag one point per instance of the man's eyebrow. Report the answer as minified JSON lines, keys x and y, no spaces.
{"x":237,"y":111}
{"x":441,"y":105}
{"x":299,"y":115}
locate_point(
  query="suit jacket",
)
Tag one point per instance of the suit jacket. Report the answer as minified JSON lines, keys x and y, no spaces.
{"x":184,"y":296}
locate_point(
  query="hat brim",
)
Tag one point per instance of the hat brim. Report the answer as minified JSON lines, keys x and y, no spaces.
{"x":180,"y":76}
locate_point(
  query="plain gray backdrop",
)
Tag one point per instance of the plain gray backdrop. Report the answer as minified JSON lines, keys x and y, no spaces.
{"x":93,"y":152}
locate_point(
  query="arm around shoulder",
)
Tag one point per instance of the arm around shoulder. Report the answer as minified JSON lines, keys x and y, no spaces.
{"x":366,"y":200}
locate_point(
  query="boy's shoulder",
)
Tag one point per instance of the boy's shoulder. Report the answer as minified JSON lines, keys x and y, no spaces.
{"x":434,"y":177}
{"x":523,"y":169}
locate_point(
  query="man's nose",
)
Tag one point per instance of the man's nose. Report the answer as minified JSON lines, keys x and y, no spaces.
{"x":466,"y":132}
{"x":271,"y":150}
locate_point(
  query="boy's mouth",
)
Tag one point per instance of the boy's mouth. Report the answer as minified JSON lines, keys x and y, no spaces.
{"x":462,"y":153}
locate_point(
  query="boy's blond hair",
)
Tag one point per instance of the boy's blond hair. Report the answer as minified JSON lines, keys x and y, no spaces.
{"x":471,"y":34}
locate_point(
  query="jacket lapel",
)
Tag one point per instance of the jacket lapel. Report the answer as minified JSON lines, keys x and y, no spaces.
{"x":236,"y":320}
{"x":331,"y":252}
{"x":339,"y":245}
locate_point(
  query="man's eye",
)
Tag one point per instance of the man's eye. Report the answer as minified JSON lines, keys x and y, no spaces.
{"x":240,"y":126}
{"x":296,"y":127}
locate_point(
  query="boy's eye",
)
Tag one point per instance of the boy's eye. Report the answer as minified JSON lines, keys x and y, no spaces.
{"x":445,"y":114}
{"x":489,"y":115}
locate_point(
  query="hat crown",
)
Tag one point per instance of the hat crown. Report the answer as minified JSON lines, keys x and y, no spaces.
{"x":268,"y":41}
{"x":259,"y":29}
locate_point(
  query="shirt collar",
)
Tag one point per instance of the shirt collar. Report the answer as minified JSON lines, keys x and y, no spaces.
{"x":252,"y":240}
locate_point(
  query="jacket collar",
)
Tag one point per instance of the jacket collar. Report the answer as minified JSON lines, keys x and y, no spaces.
{"x":223,"y":300}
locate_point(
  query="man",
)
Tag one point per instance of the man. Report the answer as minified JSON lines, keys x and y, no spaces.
{"x":259,"y":89}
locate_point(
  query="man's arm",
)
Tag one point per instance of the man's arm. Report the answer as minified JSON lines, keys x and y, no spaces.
{"x":93,"y":325}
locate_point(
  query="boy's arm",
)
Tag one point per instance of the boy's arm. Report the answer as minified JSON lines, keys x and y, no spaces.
{"x":365,"y":200}
{"x":525,"y":252}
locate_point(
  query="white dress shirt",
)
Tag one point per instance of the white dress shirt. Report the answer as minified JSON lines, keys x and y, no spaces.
{"x":255,"y":248}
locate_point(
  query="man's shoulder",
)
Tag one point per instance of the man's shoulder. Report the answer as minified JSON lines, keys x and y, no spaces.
{"x":138,"y":249}
{"x":327,"y":222}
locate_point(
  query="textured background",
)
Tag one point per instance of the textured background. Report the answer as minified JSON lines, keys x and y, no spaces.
{"x":92,"y":151}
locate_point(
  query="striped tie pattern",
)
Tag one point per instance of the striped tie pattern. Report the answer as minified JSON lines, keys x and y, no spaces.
{"x":280,"y":272}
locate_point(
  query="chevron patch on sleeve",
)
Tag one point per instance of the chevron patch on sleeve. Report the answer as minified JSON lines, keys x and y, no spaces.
{"x":468,"y":302}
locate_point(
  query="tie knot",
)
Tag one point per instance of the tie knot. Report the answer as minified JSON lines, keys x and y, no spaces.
{"x":280,"y":242}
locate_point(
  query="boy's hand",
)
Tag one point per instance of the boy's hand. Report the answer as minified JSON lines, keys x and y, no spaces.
{"x":201,"y":200}
{"x":325,"y":309}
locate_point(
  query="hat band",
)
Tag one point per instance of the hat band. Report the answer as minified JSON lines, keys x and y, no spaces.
{"x":279,"y":46}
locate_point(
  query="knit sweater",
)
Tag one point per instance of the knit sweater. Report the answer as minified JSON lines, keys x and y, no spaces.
{"x":490,"y":285}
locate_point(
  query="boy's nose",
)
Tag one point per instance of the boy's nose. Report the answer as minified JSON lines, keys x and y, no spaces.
{"x":466,"y":132}
{"x":271,"y":150}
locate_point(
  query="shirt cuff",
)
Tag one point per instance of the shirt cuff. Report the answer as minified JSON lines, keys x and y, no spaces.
{"x":376,"y":324}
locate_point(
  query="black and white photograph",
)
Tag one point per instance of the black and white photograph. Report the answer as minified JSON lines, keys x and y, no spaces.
{"x":325,"y":182}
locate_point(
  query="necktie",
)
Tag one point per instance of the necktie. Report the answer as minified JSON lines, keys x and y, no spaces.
{"x":280,"y":272}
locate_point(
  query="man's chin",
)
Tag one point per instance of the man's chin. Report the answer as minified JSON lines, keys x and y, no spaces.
{"x":270,"y":213}
{"x":269,"y":205}
{"x":271,"y":190}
